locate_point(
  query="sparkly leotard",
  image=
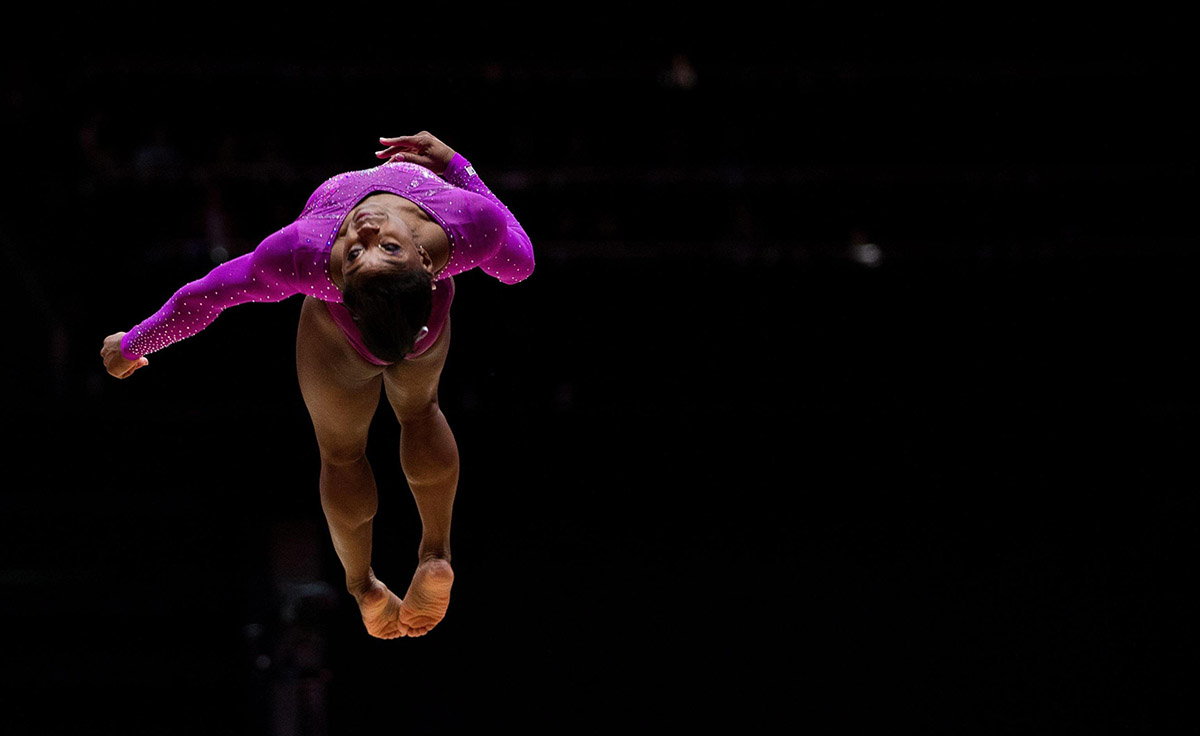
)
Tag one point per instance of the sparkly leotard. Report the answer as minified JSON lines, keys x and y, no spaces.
{"x":295,"y":260}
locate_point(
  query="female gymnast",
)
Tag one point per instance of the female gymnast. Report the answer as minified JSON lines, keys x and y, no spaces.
{"x":374,"y":253}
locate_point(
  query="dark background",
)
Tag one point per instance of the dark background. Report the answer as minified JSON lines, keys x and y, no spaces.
{"x":854,"y":385}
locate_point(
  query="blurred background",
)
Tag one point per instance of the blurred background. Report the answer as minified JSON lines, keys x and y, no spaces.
{"x":852,"y":386}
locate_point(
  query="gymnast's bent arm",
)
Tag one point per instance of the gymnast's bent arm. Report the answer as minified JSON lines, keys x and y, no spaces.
{"x":513,"y":260}
{"x":264,"y":275}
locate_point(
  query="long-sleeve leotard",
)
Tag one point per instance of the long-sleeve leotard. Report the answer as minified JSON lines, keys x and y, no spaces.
{"x":512,"y":259}
{"x":483,"y":234}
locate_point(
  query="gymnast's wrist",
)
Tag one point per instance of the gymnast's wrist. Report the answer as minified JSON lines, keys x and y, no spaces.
{"x":126,"y":353}
{"x":457,"y":163}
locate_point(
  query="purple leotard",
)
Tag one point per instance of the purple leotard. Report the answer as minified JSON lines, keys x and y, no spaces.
{"x":295,"y":260}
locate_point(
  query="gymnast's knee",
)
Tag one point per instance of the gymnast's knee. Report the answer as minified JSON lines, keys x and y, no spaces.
{"x":415,"y":412}
{"x":337,"y":455}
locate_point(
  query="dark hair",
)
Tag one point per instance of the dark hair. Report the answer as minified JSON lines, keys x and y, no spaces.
{"x":390,"y":306}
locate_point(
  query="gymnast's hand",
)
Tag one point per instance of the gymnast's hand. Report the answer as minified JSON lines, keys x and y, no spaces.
{"x":422,"y":148}
{"x":117,"y":364}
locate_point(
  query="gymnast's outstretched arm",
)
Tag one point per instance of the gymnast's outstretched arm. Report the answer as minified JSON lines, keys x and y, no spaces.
{"x":265,"y":275}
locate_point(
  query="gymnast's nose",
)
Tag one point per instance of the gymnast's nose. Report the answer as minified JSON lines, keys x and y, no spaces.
{"x":368,"y":230}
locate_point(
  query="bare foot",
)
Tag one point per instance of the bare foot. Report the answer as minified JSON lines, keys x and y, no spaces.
{"x":428,"y":597}
{"x":381,"y":612}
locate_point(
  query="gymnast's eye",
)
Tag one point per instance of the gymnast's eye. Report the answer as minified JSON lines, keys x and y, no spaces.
{"x":390,"y":247}
{"x":353,"y":252}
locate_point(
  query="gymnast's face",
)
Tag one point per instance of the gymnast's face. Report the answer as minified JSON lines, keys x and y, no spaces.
{"x":377,"y":239}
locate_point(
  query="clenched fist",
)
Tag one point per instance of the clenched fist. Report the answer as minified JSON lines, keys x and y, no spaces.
{"x":116,"y":363}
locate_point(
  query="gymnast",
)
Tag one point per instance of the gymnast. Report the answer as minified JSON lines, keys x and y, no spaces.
{"x":374,"y":252}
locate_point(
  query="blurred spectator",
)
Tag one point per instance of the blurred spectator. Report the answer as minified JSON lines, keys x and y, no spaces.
{"x":216,"y":226}
{"x":157,"y":161}
{"x":862,"y":250}
{"x":680,"y":74}
{"x":100,"y":166}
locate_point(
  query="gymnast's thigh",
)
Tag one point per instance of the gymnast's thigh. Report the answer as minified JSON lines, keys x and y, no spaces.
{"x":411,"y":385}
{"x":340,"y":389}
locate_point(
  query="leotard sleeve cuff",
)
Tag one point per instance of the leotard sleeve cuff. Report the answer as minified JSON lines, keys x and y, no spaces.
{"x":457,"y":166}
{"x":125,"y":353}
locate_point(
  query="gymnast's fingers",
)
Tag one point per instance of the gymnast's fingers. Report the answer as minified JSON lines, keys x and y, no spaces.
{"x":393,"y":151}
{"x":139,"y":363}
{"x":405,"y":141}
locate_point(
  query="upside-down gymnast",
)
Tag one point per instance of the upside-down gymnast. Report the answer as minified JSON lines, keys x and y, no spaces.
{"x":374,"y":253}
